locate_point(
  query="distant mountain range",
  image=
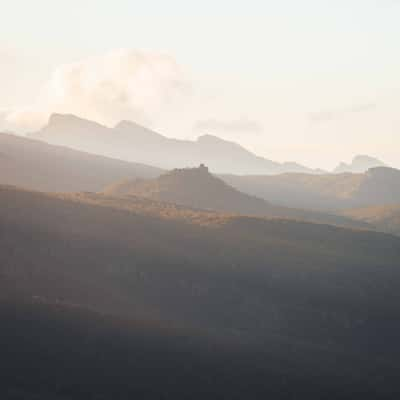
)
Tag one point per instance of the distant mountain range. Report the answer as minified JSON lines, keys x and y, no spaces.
{"x":37,"y":165}
{"x":359,"y":164}
{"x":198,"y":188}
{"x":328,"y":192}
{"x":132,"y":142}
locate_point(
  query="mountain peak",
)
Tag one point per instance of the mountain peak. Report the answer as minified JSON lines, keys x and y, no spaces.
{"x":57,"y":120}
{"x":128,"y":125}
{"x":194,"y":187}
{"x":195,"y":178}
{"x":133,"y":128}
{"x":208,"y":137}
{"x":360,"y":164}
{"x":215,"y":142}
{"x":212,"y":139}
{"x":363,"y":158}
{"x":200,"y":170}
{"x":57,"y":117}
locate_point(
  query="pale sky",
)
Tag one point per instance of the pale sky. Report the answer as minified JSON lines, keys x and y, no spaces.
{"x":314,"y":81}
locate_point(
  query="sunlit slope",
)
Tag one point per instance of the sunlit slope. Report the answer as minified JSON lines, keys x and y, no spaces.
{"x":198,"y":188}
{"x":385,"y":217}
{"x":256,"y":278}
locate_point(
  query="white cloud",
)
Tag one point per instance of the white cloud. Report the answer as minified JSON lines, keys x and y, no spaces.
{"x":23,"y":120}
{"x":122,"y":84}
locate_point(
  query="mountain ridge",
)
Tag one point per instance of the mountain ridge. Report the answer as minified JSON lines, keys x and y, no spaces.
{"x":133,"y":142}
{"x":324,"y":192}
{"x":41,"y":166}
{"x":198,"y":188}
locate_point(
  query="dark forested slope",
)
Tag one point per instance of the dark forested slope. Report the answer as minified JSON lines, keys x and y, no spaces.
{"x":314,"y":300}
{"x":60,"y":352}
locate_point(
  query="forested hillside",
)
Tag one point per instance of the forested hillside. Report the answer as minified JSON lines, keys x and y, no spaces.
{"x":309,"y":285}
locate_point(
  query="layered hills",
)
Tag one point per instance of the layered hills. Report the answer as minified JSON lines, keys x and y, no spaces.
{"x":133,"y":282}
{"x":327,"y":192}
{"x":198,"y":188}
{"x":37,"y":165}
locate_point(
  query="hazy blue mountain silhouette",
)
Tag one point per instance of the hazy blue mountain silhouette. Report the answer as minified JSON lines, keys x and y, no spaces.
{"x":133,"y":142}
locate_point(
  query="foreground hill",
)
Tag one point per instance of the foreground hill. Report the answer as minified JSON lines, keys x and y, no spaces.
{"x":313,"y":300}
{"x":57,"y":352}
{"x":324,"y":192}
{"x":386,"y":218}
{"x":37,"y":165}
{"x":198,"y":188}
{"x":132,"y":142}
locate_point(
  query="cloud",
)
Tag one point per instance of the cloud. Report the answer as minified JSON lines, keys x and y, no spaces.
{"x":330,"y":115}
{"x":22,"y":120}
{"x":122,"y":84}
{"x":242,"y":125}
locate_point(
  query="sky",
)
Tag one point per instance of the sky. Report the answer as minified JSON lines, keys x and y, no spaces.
{"x":312,"y":81}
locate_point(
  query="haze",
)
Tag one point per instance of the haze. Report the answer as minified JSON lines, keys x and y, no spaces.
{"x":199,"y":200}
{"x":313,"y":81}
